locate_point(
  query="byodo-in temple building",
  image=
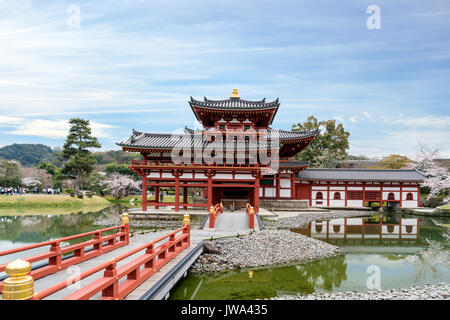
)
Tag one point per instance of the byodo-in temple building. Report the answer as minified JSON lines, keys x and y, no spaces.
{"x":238,"y":158}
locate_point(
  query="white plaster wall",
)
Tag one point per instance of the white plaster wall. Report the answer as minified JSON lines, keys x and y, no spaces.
{"x":355,"y":188}
{"x":153,"y":175}
{"x":223,"y":176}
{"x":200,"y":176}
{"x":186,"y":176}
{"x":285,"y":193}
{"x":372,"y":188}
{"x":354,"y":221}
{"x":337,"y":188}
{"x":409,"y":189}
{"x":284,"y":183}
{"x":354,"y":203}
{"x":391,"y":188}
{"x":270,"y":192}
{"x":243,"y":176}
{"x":261,"y":192}
{"x":409,"y":204}
{"x":319,"y":188}
{"x":337,"y":203}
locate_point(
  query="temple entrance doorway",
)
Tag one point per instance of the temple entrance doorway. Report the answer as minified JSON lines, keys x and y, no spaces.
{"x":235,"y":198}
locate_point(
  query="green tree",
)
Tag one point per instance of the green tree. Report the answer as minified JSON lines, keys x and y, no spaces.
{"x":330,"y":145}
{"x":76,"y":151}
{"x":54,"y":171}
{"x":120,"y":169}
{"x":9,"y":174}
{"x":393,"y":161}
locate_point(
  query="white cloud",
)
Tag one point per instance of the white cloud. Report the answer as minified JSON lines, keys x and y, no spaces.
{"x":55,"y":129}
{"x":339,"y":118}
{"x":367,"y":115}
{"x":354,"y":119}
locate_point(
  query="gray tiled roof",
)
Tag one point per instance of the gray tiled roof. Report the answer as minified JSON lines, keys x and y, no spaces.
{"x":360,"y":175}
{"x":235,"y":104}
{"x":292,"y":164}
{"x":168,"y":141}
{"x":286,"y":135}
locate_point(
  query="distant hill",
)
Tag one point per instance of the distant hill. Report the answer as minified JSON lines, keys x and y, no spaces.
{"x":26,"y":154}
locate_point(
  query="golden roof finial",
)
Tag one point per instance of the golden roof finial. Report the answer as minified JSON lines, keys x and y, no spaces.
{"x":235,"y":93}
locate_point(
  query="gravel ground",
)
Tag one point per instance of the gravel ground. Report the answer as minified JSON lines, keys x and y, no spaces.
{"x":429,"y":292}
{"x":264,"y":248}
{"x":302,"y":219}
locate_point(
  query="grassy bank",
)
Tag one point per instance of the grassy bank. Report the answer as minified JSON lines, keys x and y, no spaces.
{"x":50,"y":201}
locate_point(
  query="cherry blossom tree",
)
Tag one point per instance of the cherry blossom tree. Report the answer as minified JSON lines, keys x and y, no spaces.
{"x":438,"y":177}
{"x":30,"y":182}
{"x":121,"y":185}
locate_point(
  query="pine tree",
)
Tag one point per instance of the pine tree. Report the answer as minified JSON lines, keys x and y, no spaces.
{"x":76,"y":151}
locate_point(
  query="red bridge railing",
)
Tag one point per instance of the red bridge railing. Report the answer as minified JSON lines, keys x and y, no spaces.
{"x":251,"y":216}
{"x":136,"y":271}
{"x":55,"y":254}
{"x":213,"y":213}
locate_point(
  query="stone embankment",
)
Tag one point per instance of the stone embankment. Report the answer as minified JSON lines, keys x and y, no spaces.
{"x":302,"y":219}
{"x":428,"y":292}
{"x":260,"y":249}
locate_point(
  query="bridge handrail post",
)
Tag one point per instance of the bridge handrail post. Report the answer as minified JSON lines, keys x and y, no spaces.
{"x":211,"y":217}
{"x":187,"y":228}
{"x":57,"y":259}
{"x":251,"y":218}
{"x":20,"y":284}
{"x":126,"y":227}
{"x":99,"y":245}
{"x":111,"y":291}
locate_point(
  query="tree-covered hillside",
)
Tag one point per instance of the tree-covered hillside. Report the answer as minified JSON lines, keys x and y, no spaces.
{"x":26,"y":154}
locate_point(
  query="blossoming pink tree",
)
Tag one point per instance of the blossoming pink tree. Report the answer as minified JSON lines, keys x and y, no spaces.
{"x":121,"y":185}
{"x":438,"y":177}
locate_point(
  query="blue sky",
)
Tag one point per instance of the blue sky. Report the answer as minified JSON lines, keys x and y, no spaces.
{"x":134,"y":64}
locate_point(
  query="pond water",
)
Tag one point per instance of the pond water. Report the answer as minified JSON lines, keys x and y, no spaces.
{"x":421,"y":256}
{"x":21,"y":230}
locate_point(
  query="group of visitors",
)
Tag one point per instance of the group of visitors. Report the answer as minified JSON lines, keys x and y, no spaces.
{"x":12,"y":191}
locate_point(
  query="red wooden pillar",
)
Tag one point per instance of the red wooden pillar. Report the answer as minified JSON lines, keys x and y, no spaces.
{"x":418,"y":195}
{"x":185,"y":197}
{"x":364,"y":194}
{"x":293,"y":185}
{"x":401,"y":195}
{"x":256,"y":194}
{"x":156,"y":196}
{"x":277,"y":177}
{"x":381,"y":195}
{"x":310,"y":194}
{"x":346,"y":197}
{"x":209,"y":191}
{"x":177,"y":191}
{"x":144,"y":192}
{"x":328,"y":194}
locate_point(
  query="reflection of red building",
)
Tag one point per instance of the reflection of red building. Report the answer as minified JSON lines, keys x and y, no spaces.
{"x":240,"y":176}
{"x":360,"y":229}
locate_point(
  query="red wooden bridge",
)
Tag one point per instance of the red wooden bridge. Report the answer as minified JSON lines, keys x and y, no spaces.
{"x":106,"y":267}
{"x":238,"y":221}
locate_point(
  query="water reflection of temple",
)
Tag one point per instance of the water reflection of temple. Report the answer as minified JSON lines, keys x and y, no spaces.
{"x":406,"y":231}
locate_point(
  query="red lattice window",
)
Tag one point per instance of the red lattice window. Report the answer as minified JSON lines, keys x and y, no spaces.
{"x":409,"y":196}
{"x":372,"y":195}
{"x":337,"y":196}
{"x":319,"y":195}
{"x":355,"y":195}
{"x":391,"y":196}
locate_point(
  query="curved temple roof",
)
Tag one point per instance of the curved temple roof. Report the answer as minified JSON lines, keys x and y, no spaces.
{"x":235,"y":104}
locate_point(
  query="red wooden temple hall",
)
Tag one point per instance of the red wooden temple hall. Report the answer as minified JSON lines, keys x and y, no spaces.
{"x":230,"y":159}
{"x":239,"y":158}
